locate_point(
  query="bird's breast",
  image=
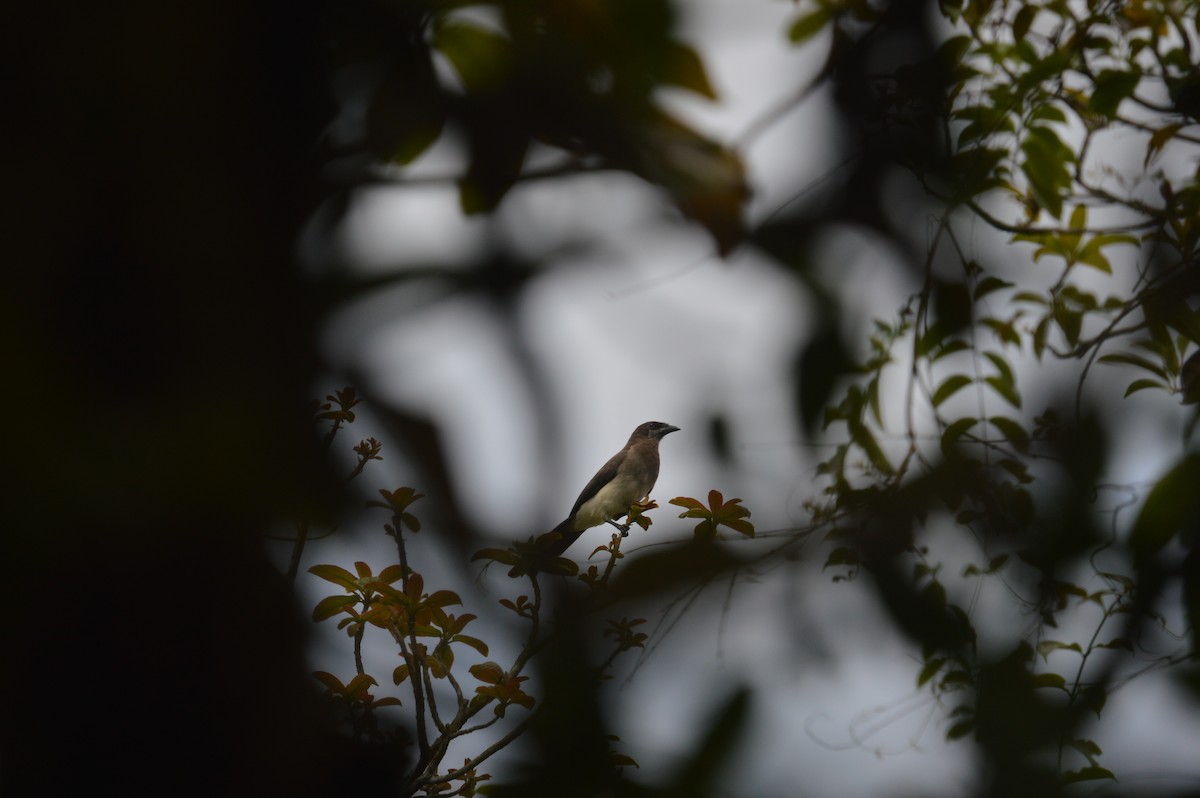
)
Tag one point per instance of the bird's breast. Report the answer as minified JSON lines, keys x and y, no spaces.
{"x":613,"y":500}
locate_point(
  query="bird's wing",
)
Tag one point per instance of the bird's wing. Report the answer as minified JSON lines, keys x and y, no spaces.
{"x":605,"y":475}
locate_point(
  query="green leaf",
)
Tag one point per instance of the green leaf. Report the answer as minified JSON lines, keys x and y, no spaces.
{"x":1013,"y":431}
{"x":951,"y":386}
{"x":1045,"y":167}
{"x":952,"y":50}
{"x":1023,"y":21}
{"x":1005,"y":389}
{"x":866,"y":441}
{"x":1159,"y":139}
{"x":808,"y":26}
{"x":1135,"y":360}
{"x":1094,"y":698}
{"x":1112,"y":87}
{"x":1054,"y":680}
{"x":1174,"y":502}
{"x":955,"y":431}
{"x":948,"y":348}
{"x":989,"y":284}
{"x":1005,"y":370}
{"x":930,"y":670}
{"x":1004,"y":330}
{"x":960,"y":729}
{"x":984,"y":121}
{"x":1139,"y":385}
{"x":481,"y":56}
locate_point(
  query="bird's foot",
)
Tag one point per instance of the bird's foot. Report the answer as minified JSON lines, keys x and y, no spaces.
{"x":623,"y":527}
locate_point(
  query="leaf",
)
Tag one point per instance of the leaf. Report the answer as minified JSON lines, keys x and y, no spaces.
{"x":866,"y":441}
{"x":1040,"y":333}
{"x":1135,"y":360}
{"x":1090,"y":773}
{"x":930,"y":670}
{"x":1023,"y":21}
{"x":339,"y":576}
{"x":1086,"y":747}
{"x":473,"y":642}
{"x":1140,"y":385}
{"x":989,"y":284}
{"x":1013,"y":431}
{"x":332,"y":605}
{"x":1117,"y":643}
{"x":1005,"y":389}
{"x":808,"y":26}
{"x":948,"y":348}
{"x":718,"y":513}
{"x":481,"y":57}
{"x":621,"y":760}
{"x":1045,"y":167}
{"x":952,"y":50}
{"x":1094,"y":698}
{"x":841,"y":556}
{"x":685,"y":68}
{"x":1003,"y":329}
{"x":487,"y":672}
{"x":330,"y":681}
{"x":1017,"y":469}
{"x":400,"y":674}
{"x":1054,"y":680}
{"x":960,"y":730}
{"x":949,"y":387}
{"x":1159,"y":139}
{"x":1111,"y":88}
{"x":1046,"y":647}
{"x":442,"y":598}
{"x":955,"y":431}
{"x":1172,"y":503}
{"x":1091,"y":254}
{"x":391,"y":574}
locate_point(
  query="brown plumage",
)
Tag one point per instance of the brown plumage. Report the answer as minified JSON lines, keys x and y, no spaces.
{"x":627,"y":477}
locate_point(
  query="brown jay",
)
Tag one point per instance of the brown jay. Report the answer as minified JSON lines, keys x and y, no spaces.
{"x":626,"y":478}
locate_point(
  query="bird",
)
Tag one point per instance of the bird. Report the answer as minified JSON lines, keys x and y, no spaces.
{"x":627,"y":478}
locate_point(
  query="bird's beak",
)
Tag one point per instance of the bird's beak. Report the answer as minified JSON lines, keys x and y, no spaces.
{"x":668,"y":430}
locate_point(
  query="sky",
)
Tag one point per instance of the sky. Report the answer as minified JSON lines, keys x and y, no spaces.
{"x":648,"y":324}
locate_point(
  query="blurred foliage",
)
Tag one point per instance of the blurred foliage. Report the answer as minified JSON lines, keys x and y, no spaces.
{"x":582,"y":78}
{"x":1034,"y":108}
{"x":164,"y":163}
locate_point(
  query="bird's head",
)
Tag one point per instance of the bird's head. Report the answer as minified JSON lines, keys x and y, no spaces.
{"x":654,"y":430}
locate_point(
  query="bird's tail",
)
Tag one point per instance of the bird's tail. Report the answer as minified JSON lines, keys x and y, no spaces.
{"x":559,"y":539}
